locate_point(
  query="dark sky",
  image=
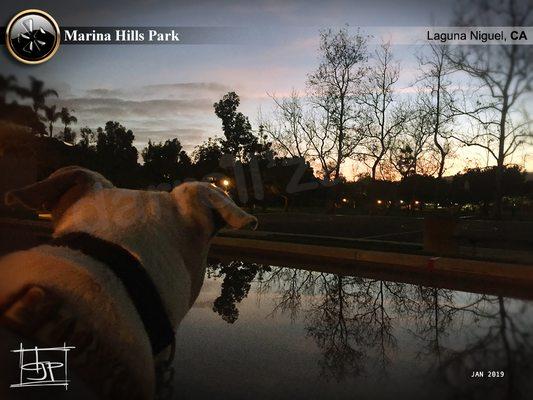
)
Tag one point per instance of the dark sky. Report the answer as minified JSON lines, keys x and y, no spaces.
{"x":163,"y":91}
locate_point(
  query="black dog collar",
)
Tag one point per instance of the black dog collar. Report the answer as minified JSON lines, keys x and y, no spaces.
{"x":135,"y":279}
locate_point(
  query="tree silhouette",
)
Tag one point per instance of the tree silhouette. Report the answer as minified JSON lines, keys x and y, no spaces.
{"x":334,"y":324}
{"x":68,"y":135}
{"x":166,"y":162}
{"x":239,"y":140}
{"x":346,"y":317}
{"x":238,"y":276}
{"x":437,"y":100}
{"x":287,"y":131}
{"x":67,"y":118}
{"x":414,"y":153}
{"x":333,"y":128}
{"x":477,"y":185}
{"x":404,"y":161}
{"x":505,"y":76}
{"x":116,"y":156}
{"x":21,"y":116}
{"x":7,"y":84}
{"x":350,"y":317}
{"x":88,"y":138}
{"x":52,"y":115}
{"x":502,"y":343}
{"x":291,"y":284}
{"x":384,"y":119}
{"x":37,"y":93}
{"x":206,"y":157}
{"x":433,"y":306}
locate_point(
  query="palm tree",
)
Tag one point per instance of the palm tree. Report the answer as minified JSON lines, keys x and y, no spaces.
{"x":7,"y":84}
{"x":67,"y":118}
{"x":37,"y":93}
{"x":51,"y":116}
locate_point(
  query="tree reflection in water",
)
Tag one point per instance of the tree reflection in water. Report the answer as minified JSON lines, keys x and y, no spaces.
{"x":434,"y":314}
{"x":353,"y":319}
{"x":503,"y":344}
{"x":238,"y":276}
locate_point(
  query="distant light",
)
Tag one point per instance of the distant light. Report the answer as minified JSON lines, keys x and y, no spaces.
{"x":379,"y":202}
{"x":344,"y":200}
{"x":45,"y":216}
{"x":401,"y":201}
{"x":417,"y":202}
{"x":225,"y":182}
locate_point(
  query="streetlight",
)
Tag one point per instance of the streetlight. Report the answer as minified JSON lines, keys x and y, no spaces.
{"x":225,"y":182}
{"x":417,"y":202}
{"x":379,"y":202}
{"x":344,"y":200}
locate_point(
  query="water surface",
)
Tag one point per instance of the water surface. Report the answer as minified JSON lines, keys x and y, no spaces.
{"x":268,"y":332}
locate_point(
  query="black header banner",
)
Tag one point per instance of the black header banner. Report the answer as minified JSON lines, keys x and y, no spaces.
{"x":149,"y":35}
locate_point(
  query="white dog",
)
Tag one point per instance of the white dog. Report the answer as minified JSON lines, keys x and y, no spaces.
{"x":69,"y":292}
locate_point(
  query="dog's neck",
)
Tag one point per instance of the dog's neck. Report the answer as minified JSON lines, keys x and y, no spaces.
{"x":135,"y":279}
{"x":147,"y":225}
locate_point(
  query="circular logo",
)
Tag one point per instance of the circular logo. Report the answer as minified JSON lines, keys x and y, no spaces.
{"x":32,"y":36}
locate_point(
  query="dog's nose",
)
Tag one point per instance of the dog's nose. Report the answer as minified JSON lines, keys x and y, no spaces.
{"x":252,"y":225}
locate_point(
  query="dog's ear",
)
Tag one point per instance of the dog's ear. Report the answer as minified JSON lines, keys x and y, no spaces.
{"x":212,"y":204}
{"x":46,"y":194}
{"x":225,"y":211}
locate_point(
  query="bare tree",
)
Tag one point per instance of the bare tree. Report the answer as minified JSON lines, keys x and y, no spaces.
{"x":287,"y":129}
{"x":332,"y":128}
{"x":505,"y":74}
{"x":319,"y":131}
{"x":413,"y":151}
{"x":433,"y":307}
{"x":383,"y":120}
{"x":303,"y":132}
{"x":437,"y":99}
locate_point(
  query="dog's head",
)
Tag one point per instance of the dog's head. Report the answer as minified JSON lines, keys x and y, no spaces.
{"x":59,"y":191}
{"x":210,"y":208}
{"x":204,"y":207}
